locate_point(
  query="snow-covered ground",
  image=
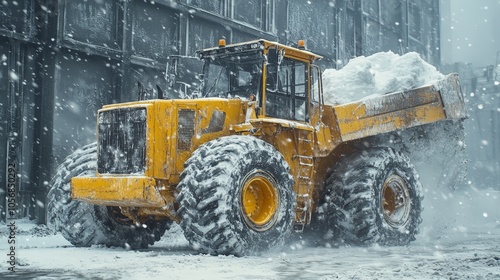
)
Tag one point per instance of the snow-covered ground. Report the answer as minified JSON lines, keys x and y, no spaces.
{"x":459,"y":239}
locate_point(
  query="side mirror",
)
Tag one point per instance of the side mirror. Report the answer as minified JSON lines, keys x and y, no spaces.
{"x":171,"y":70}
{"x":183,"y":75}
{"x":272,"y":56}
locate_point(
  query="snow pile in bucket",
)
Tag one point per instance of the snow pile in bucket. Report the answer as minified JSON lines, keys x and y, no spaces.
{"x":377,"y":74}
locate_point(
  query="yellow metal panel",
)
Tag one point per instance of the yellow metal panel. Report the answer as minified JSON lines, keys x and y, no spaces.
{"x":292,"y":52}
{"x":292,"y":139}
{"x":389,"y":113}
{"x":117,"y":191}
{"x":162,"y":131}
{"x":281,"y":122}
{"x":150,"y":141}
{"x":142,"y":103}
{"x":325,"y":127}
{"x":235,"y":112}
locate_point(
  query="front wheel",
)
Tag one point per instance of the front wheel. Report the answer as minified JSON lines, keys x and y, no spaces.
{"x":373,"y":196}
{"x":84,"y":224}
{"x":236,"y":197}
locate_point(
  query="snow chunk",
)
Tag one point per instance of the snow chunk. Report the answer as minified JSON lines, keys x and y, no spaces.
{"x":13,"y":76}
{"x":377,"y":74}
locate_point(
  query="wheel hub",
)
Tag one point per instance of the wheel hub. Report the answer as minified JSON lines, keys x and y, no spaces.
{"x":396,"y":201}
{"x":259,"y":200}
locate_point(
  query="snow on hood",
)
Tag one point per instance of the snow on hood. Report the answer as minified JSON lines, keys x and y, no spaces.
{"x":380,"y":73}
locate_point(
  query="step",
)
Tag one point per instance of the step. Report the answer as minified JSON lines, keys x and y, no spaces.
{"x":305,"y":140}
{"x":306,"y":157}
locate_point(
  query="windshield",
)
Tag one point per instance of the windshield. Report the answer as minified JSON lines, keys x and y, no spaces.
{"x":233,"y":76}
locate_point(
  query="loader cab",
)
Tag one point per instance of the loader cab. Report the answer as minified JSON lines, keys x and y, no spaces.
{"x":281,"y":79}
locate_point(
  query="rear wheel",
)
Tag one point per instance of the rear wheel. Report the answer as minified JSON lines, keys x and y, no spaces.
{"x":236,"y":197}
{"x":85,"y":224}
{"x":373,"y":196}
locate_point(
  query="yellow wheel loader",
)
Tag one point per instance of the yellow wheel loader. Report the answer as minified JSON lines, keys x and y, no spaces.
{"x":247,"y":158}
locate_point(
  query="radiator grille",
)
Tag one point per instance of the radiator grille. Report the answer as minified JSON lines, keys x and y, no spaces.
{"x":122,"y":141}
{"x":185,"y":129}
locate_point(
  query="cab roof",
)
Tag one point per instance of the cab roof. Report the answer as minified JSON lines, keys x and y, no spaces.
{"x":261,"y":44}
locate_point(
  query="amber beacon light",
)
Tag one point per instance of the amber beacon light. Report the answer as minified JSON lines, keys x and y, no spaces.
{"x":301,"y":45}
{"x":222,"y":43}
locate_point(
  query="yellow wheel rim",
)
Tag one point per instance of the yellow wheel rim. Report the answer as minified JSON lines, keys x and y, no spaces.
{"x":396,"y":201}
{"x":259,"y":200}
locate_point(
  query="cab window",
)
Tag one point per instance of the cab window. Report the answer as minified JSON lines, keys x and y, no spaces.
{"x":315,"y":84}
{"x":286,"y":90}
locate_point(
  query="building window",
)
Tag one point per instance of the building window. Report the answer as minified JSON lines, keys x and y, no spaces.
{"x":351,"y":4}
{"x":15,"y":16}
{"x":258,"y":13}
{"x":218,"y":7}
{"x":83,"y":85}
{"x":391,"y":25}
{"x":390,"y":11}
{"x":91,"y":22}
{"x":352,"y":42}
{"x":250,"y":12}
{"x":204,"y":34}
{"x":415,"y":21}
{"x":312,"y":21}
{"x":371,"y":8}
{"x":154,"y":31}
{"x":269,"y":23}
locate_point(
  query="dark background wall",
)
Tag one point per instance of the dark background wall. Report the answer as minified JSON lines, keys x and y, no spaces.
{"x":62,"y":60}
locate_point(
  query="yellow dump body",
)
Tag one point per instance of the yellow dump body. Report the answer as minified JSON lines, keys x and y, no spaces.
{"x":151,"y":140}
{"x":401,"y":110}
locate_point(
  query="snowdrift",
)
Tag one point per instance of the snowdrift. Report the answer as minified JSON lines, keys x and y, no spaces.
{"x":380,"y":73}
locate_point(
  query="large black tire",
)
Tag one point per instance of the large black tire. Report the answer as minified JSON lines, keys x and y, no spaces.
{"x":215,"y":217}
{"x":373,"y":196}
{"x":85,"y":224}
